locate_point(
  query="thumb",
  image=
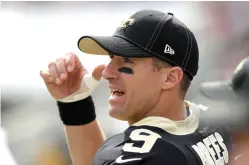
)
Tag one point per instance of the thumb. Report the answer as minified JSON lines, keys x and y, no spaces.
{"x":97,"y":72}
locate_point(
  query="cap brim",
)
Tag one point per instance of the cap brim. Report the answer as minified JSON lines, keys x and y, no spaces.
{"x":219,"y":90}
{"x":106,"y":45}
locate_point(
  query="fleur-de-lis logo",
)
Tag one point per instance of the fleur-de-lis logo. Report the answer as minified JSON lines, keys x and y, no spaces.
{"x":126,"y":23}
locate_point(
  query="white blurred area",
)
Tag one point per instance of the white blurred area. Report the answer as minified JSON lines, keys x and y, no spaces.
{"x":6,"y":155}
{"x":34,"y":33}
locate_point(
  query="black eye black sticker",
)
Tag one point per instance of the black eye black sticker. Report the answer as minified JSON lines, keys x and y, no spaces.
{"x":126,"y":70}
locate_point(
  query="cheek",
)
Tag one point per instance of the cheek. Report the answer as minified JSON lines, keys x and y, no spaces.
{"x":143,"y":89}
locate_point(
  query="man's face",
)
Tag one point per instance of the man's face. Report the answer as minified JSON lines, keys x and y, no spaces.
{"x":134,"y":85}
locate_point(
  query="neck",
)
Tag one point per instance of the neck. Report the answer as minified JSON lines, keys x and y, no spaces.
{"x":174,"y":109}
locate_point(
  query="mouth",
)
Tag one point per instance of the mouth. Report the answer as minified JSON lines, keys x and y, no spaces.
{"x":117,"y":93}
{"x":117,"y":96}
{"x":117,"y":99}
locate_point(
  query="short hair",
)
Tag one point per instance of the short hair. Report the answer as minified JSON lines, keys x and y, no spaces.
{"x":158,"y":64}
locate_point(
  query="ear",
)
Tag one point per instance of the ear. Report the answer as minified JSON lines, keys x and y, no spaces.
{"x":171,"y":77}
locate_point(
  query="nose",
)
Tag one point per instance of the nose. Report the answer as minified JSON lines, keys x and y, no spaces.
{"x":110,"y":71}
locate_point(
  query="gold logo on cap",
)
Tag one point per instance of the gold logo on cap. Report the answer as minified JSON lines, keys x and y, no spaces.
{"x":127,"y":22}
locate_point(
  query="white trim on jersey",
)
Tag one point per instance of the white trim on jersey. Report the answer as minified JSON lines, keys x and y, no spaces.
{"x":187,"y":126}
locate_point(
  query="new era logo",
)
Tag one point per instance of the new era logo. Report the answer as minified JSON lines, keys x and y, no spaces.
{"x":169,"y":50}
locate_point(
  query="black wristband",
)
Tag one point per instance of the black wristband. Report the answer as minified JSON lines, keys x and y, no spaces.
{"x":77,"y":113}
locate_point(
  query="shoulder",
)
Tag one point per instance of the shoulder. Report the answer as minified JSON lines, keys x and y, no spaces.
{"x":158,"y":155}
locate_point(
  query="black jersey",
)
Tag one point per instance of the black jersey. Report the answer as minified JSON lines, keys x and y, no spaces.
{"x":159,"y":141}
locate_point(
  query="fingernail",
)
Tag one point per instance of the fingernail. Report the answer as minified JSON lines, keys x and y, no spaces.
{"x":62,"y":76}
{"x":57,"y":81}
{"x":69,"y":68}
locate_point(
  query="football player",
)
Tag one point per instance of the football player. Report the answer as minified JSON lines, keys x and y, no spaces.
{"x":154,"y":58}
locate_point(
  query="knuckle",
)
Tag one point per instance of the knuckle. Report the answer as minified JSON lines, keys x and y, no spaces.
{"x":51,"y":65}
{"x":70,"y":54}
{"x":59,"y":60}
{"x":67,"y":55}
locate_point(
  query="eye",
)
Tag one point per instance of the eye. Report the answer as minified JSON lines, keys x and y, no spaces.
{"x":127,"y":60}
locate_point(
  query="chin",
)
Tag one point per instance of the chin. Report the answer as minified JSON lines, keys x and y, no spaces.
{"x":118,"y":114}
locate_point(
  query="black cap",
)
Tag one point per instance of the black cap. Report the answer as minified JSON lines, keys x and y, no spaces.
{"x":235,"y":89}
{"x":149,"y":33}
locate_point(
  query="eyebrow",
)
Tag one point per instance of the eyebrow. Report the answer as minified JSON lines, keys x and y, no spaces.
{"x":111,"y":56}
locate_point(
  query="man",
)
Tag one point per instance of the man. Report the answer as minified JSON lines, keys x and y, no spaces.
{"x":235,"y":94}
{"x":154,"y":58}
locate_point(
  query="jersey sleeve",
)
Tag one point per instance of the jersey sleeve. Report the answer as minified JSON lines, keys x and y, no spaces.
{"x":170,"y":156}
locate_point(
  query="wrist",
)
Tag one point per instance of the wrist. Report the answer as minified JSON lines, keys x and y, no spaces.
{"x":77,"y":113}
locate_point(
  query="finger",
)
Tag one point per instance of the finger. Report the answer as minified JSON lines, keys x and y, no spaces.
{"x":46,"y":76}
{"x":70,"y":61}
{"x":61,"y":69}
{"x":97,"y":72}
{"x":53,"y":72}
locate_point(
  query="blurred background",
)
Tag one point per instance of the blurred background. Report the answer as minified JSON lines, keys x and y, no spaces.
{"x":34,"y":33}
